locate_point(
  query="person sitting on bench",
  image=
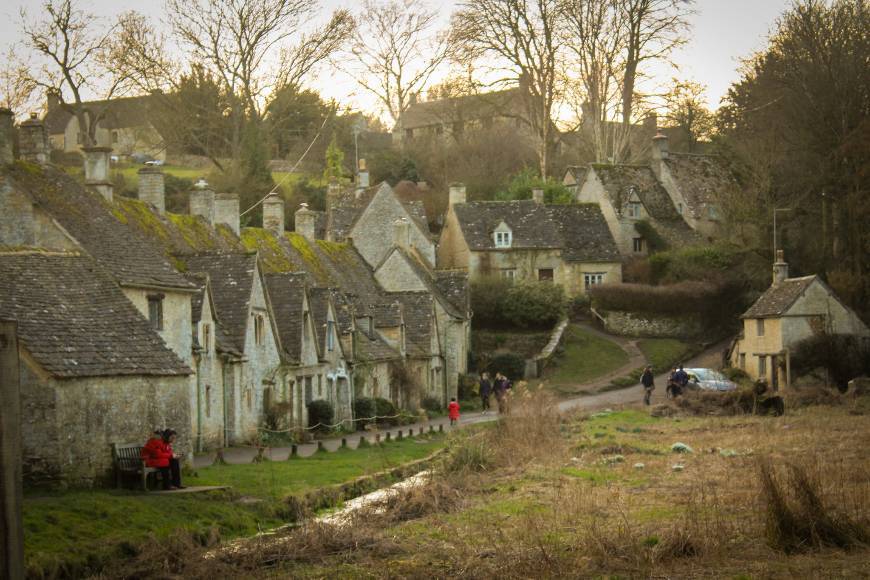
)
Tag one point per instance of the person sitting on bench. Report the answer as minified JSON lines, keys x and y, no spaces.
{"x":158,"y":454}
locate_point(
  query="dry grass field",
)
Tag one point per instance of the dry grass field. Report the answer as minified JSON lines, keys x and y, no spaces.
{"x":601,"y":495}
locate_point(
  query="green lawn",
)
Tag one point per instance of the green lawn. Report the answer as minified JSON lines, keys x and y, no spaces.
{"x":586,"y":357}
{"x":663,"y":353}
{"x":75,"y":531}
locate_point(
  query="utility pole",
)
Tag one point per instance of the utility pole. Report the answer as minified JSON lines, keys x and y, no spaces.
{"x":11,"y":495}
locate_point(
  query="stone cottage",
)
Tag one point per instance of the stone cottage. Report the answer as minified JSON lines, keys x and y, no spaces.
{"x":569,"y":245}
{"x":94,"y":371}
{"x":791,"y":310}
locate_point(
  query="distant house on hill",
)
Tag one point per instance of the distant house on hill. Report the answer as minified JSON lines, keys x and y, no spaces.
{"x":569,"y":245}
{"x":791,"y":310}
{"x":124,"y":125}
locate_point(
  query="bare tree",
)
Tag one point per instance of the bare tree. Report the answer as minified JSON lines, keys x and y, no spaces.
{"x":397,"y":48}
{"x":17,"y":90}
{"x":687,"y":110}
{"x":520,"y":38}
{"x":69,"y":49}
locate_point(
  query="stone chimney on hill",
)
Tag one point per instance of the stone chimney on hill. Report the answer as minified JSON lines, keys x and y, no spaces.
{"x":33,"y":140}
{"x":7,"y":136}
{"x":201,"y":202}
{"x":273,"y":214}
{"x":362,"y":176}
{"x":402,"y":233}
{"x":226,"y":210}
{"x":152,"y":187}
{"x":457,"y":194}
{"x":97,"y":170}
{"x":780,"y":268}
{"x":538,"y":195}
{"x":659,"y":153}
{"x":305,"y":222}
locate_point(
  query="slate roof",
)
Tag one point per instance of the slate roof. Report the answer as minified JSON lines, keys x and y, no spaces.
{"x":453,"y":284}
{"x":417,"y":313}
{"x":232,"y":283}
{"x":387,"y":314}
{"x":373,"y":348}
{"x":76,"y":322}
{"x":620,"y":180}
{"x":464,"y":108}
{"x":429,"y":278}
{"x":703,"y":180}
{"x":287,"y":294}
{"x":579,"y":230}
{"x":778,"y":298}
{"x":119,"y":113}
{"x":350,"y":206}
{"x":128,"y":255}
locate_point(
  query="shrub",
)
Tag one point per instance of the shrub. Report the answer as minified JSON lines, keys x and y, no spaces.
{"x":468,"y":387}
{"x":684,"y":298}
{"x":486,"y":298}
{"x":692,"y":263}
{"x":510,"y":365}
{"x":320,"y":413}
{"x":654,"y":241}
{"x":278,"y":415}
{"x":844,"y":356}
{"x":432,"y":405}
{"x":522,"y":184}
{"x":384,"y":408}
{"x":363,"y":408}
{"x":534,"y":304}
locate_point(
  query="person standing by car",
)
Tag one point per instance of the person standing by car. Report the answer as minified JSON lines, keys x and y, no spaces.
{"x":648,"y":381}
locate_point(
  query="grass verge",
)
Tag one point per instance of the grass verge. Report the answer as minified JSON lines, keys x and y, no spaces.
{"x":586,"y":356}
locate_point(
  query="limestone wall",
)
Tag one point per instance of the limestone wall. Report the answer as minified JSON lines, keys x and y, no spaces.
{"x":646,"y":325}
{"x":373,"y":233}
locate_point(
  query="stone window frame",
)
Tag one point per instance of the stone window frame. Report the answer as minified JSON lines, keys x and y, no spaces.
{"x":742,"y":361}
{"x":503,"y":239}
{"x":634,"y":209}
{"x":541,"y":274}
{"x":762,"y":366}
{"x":155,"y":310}
{"x":759,"y":327}
{"x":593,"y":279}
{"x":330,"y":335}
{"x":208,"y":401}
{"x":259,"y":328}
{"x":637,"y":245}
{"x":207,"y":338}
{"x":508,"y":273}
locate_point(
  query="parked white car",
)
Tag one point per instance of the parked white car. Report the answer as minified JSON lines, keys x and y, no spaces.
{"x":709,"y":380}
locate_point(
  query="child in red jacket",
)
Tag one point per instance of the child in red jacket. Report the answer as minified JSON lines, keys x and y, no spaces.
{"x":453,"y":411}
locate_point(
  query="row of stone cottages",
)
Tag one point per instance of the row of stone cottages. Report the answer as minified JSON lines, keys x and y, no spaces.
{"x":132,"y":318}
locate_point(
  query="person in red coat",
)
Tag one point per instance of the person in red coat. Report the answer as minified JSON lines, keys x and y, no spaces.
{"x":158,"y":454}
{"x":453,"y":411}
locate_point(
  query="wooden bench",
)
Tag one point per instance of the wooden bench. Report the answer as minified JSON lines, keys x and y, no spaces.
{"x":127,"y":458}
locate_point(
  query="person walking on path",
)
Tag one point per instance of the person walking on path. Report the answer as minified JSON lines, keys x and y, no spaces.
{"x":485,"y":391}
{"x":453,"y":411}
{"x":648,"y":381}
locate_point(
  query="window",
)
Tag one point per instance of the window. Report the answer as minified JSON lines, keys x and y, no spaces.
{"x":309,"y":390}
{"x":330,"y":335}
{"x":762,"y":366}
{"x":593,"y":278}
{"x":502,"y":239}
{"x":508,"y":273}
{"x":743,"y":361}
{"x":545,"y":274}
{"x":259,"y":329}
{"x":680,"y":207}
{"x":155,"y":311}
{"x":208,"y":400}
{"x":759,"y":326}
{"x":634,"y":209}
{"x":319,"y":386}
{"x":206,"y":338}
{"x":114,"y":137}
{"x":637,"y":245}
{"x":249,"y":398}
{"x":267,"y":399}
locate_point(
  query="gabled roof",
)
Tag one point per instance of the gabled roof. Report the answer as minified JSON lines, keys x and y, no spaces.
{"x":120,"y":113}
{"x":579,"y":230}
{"x":465,"y":108}
{"x":703,"y":180}
{"x":418,"y":314}
{"x":232,"y":284}
{"x":287,"y":294}
{"x":75,"y":320}
{"x":387,"y":314}
{"x":428,"y":276}
{"x":779,"y":298}
{"x":350,"y":206}
{"x":453,"y":284}
{"x":128,"y":255}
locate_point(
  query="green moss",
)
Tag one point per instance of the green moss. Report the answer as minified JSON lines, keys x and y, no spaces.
{"x":28,"y":167}
{"x":307,"y":253}
{"x":273,"y":257}
{"x":197,"y":235}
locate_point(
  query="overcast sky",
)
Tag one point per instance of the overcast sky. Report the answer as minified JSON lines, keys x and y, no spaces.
{"x":723,"y":32}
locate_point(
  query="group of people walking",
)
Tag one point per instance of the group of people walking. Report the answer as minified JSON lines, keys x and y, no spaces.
{"x":677,"y":381}
{"x":500,"y":386}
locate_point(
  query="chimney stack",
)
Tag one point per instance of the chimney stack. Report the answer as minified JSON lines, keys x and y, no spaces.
{"x":201,"y":202}
{"x":97,"y":170}
{"x":659,"y":153}
{"x":538,"y":195}
{"x":152,"y":187}
{"x":273,"y":214}
{"x":780,"y":268}
{"x":402,"y":233}
{"x":362,"y":180}
{"x":226,"y":210}
{"x":305,"y":222}
{"x":7,"y":136}
{"x":457,"y":194}
{"x":33,"y":140}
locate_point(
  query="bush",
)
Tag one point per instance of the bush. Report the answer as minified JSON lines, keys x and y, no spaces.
{"x":320,"y":414}
{"x":384,"y":408}
{"x":468,"y":387}
{"x":654,"y":241}
{"x":278,"y":415}
{"x":844,"y":356}
{"x":432,"y":406}
{"x":684,"y":298}
{"x":510,"y":365}
{"x":691,"y":263}
{"x":522,"y":184}
{"x":486,"y":298}
{"x":363,"y":408}
{"x":534,"y":304}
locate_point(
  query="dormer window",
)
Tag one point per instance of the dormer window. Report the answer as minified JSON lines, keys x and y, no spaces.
{"x":634,"y":209}
{"x":206,"y":337}
{"x":259,"y":329}
{"x":502,"y":239}
{"x":330,"y":335}
{"x":680,"y":208}
{"x":155,"y":311}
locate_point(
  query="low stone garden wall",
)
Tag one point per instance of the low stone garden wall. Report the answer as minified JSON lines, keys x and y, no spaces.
{"x":642,"y":324}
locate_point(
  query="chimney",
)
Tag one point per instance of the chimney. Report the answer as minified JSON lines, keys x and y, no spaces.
{"x":538,"y":195}
{"x":659,"y":153}
{"x":273,"y":214}
{"x":305,"y":222}
{"x":780,"y":268}
{"x":7,"y":136}
{"x":52,"y":101}
{"x":651,"y":122}
{"x":457,"y":194}
{"x":33,"y":140}
{"x":97,"y":170}
{"x":226,"y":210}
{"x":201,"y":202}
{"x":152,"y":188}
{"x":362,"y":180}
{"x":412,"y":99}
{"x":402,"y":233}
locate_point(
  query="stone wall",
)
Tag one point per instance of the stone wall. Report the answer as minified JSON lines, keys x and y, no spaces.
{"x":647,"y":325}
{"x":17,"y":221}
{"x":373,"y":233}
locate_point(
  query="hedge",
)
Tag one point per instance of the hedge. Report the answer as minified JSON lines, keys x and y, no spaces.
{"x":844,"y":356}
{"x":674,"y":299}
{"x":529,"y":304}
{"x":320,"y":413}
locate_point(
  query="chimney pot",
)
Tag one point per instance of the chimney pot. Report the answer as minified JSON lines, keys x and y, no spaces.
{"x":305,"y":222}
{"x":33,"y":140}
{"x":362,"y":176}
{"x":97,"y":170}
{"x":780,"y":268}
{"x":201,"y":201}
{"x":457,"y":194}
{"x":226,"y":210}
{"x":273,"y":214}
{"x":152,"y":187}
{"x":7,"y":136}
